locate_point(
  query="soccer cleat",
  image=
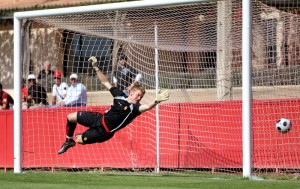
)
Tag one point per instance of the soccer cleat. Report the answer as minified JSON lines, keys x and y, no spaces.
{"x":66,"y":146}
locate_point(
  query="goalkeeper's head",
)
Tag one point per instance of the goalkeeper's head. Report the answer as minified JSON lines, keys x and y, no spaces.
{"x":136,"y":94}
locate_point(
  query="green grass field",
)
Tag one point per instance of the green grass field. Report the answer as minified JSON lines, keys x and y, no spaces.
{"x":91,"y":180}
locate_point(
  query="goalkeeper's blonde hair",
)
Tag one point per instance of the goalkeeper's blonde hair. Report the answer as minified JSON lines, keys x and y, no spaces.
{"x":138,"y":87}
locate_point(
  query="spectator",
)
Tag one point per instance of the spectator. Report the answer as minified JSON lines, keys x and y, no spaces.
{"x":76,"y":93}
{"x":24,"y":94}
{"x":36,"y":93}
{"x":45,"y":76}
{"x":59,"y":90}
{"x":125,"y":77}
{"x":6,"y":101}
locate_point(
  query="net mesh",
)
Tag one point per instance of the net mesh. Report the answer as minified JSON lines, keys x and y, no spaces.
{"x":200,"y":61}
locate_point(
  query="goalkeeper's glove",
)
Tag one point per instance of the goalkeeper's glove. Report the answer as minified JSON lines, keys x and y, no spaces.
{"x":162,"y":95}
{"x":93,"y":60}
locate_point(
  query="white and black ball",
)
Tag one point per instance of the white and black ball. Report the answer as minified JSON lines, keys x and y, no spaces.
{"x":283,"y":125}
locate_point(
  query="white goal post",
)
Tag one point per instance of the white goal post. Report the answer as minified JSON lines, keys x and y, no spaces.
{"x":211,"y":55}
{"x":247,"y":92}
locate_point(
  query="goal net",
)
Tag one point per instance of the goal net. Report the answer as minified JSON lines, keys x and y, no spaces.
{"x":195,"y":51}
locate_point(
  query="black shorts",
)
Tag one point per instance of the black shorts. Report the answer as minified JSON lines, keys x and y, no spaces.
{"x":96,"y":132}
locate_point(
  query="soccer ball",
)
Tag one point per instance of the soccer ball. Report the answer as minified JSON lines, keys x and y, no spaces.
{"x":283,"y":125}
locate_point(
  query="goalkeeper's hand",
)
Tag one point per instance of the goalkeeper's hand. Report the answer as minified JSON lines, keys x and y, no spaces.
{"x":93,"y":60}
{"x":162,"y":95}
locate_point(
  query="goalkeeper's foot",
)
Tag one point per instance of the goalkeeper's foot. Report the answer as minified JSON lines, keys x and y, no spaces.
{"x":66,"y":146}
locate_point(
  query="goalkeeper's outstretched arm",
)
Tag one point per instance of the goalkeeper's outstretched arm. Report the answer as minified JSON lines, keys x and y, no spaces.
{"x":161,"y":96}
{"x":103,"y":79}
{"x":100,"y":74}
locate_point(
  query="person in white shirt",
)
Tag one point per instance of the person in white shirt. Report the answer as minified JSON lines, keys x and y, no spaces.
{"x":76,"y":93}
{"x":59,"y":89}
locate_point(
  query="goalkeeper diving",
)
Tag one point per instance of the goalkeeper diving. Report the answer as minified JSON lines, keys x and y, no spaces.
{"x":102,"y":127}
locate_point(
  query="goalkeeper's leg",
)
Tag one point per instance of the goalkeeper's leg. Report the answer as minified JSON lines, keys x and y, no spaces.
{"x":96,"y":132}
{"x":70,"y":128}
{"x":93,"y":135}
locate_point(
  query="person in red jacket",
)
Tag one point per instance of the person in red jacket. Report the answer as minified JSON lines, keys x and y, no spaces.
{"x":6,"y":101}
